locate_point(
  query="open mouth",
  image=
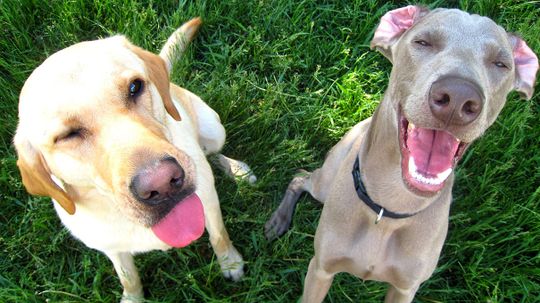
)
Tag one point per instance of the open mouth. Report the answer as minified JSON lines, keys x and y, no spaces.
{"x":428,"y":156}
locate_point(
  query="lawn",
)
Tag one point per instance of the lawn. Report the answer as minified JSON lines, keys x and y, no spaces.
{"x":288,"y":79}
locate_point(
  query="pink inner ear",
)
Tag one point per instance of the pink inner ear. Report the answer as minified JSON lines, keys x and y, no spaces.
{"x":394,"y":23}
{"x":526,"y":63}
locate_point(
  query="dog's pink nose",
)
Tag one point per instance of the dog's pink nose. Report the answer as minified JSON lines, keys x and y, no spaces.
{"x":158,"y":182}
{"x":456,"y":101}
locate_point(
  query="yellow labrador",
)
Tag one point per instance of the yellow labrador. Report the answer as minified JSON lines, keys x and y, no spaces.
{"x":122,"y":152}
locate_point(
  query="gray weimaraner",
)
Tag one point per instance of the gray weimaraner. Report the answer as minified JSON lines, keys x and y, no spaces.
{"x":387,"y":185}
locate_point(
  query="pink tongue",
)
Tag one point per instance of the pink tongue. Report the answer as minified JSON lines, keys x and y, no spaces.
{"x":433,"y":151}
{"x":183,"y":224}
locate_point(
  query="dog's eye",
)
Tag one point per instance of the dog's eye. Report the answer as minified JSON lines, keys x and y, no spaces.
{"x":71,"y":134}
{"x":500,"y":64}
{"x":422,"y":42}
{"x":135,"y":87}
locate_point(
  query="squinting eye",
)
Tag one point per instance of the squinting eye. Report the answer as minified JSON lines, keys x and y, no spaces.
{"x":500,"y":64}
{"x":135,"y":87}
{"x":422,"y":42}
{"x":70,"y":135}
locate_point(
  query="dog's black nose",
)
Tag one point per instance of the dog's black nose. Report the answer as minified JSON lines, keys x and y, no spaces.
{"x":455,"y":101}
{"x":158,"y":182}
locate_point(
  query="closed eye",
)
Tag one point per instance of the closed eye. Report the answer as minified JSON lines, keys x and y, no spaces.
{"x":422,"y":43}
{"x":500,"y":64}
{"x":71,"y":134}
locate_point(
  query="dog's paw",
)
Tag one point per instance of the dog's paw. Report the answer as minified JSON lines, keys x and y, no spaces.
{"x":242,"y":171}
{"x":232,"y":265}
{"x":278,"y":224}
{"x":251,"y":178}
{"x":132,"y":298}
{"x":237,"y":169}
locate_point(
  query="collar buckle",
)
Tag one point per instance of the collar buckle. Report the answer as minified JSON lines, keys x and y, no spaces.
{"x":379,"y":216}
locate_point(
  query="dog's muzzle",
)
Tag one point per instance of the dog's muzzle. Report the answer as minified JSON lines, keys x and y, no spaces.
{"x":164,"y":189}
{"x":158,"y":183}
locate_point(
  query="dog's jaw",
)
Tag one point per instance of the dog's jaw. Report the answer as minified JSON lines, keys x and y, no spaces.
{"x":428,"y":156}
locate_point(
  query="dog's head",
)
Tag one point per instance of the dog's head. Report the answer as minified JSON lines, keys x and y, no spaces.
{"x":451,"y":74}
{"x":93,"y":120}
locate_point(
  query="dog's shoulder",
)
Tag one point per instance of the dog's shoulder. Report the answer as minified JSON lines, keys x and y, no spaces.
{"x":206,"y":122}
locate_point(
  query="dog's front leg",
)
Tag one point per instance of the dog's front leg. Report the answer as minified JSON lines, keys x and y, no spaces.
{"x":230,"y":260}
{"x":129,"y":276}
{"x":398,"y":295}
{"x":317,"y":282}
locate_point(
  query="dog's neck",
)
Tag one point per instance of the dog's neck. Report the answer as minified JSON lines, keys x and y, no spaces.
{"x":380,"y":165}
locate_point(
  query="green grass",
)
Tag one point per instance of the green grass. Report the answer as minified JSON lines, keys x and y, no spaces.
{"x":288,"y":78}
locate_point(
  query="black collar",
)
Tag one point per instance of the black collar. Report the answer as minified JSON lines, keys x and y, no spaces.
{"x":363,"y":195}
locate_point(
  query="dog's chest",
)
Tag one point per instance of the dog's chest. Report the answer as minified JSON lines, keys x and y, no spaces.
{"x":392,"y":250}
{"x":375,"y":252}
{"x":107,"y":229}
{"x":380,"y":253}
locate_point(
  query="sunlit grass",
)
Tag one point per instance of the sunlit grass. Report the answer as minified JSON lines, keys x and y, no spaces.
{"x":288,"y":79}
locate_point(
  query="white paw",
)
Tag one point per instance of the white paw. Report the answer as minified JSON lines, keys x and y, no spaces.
{"x":237,"y":169}
{"x":132,"y":298}
{"x":243,"y":172}
{"x":251,"y":178}
{"x":232,"y":265}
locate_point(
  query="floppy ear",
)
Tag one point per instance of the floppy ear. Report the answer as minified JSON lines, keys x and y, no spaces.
{"x":37,"y":178}
{"x":526,"y":65}
{"x":158,"y":74}
{"x":393,"y":24}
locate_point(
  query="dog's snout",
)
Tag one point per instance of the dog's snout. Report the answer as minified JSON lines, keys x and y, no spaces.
{"x":158,"y":182}
{"x":455,"y":101}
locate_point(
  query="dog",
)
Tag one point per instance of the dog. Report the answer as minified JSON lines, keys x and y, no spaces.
{"x":386,"y":186}
{"x":122,"y":152}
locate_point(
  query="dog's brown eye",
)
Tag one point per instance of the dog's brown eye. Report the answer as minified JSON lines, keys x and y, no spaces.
{"x":422,"y":42}
{"x":135,"y":88}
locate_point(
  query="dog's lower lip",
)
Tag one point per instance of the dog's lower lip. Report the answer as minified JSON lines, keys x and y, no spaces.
{"x":431,"y":175}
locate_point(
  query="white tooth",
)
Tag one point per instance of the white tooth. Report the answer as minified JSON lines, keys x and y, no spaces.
{"x":431,"y":181}
{"x":444,"y":175}
{"x":412,"y":166}
{"x":410,"y":126}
